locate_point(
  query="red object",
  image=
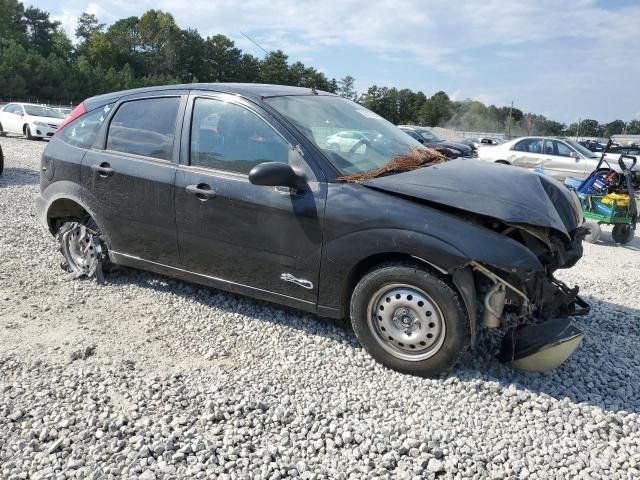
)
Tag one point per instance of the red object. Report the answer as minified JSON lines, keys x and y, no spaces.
{"x":75,"y":113}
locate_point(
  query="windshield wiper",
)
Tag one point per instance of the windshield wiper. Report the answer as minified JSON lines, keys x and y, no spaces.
{"x":416,"y":158}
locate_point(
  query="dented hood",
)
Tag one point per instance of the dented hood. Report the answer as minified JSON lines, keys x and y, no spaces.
{"x":510,"y":194}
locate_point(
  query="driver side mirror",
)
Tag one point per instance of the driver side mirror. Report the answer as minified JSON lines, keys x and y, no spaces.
{"x":574,"y":155}
{"x":276,"y":174}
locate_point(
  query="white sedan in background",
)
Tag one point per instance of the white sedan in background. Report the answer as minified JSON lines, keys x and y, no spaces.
{"x":347,"y":139}
{"x":557,"y":157}
{"x":30,"y":120}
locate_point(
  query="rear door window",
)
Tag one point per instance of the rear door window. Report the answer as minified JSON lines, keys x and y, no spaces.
{"x":530,"y":145}
{"x":145,"y":127}
{"x":82,"y":131}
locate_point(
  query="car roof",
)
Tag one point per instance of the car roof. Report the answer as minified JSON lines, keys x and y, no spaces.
{"x":256,"y":91}
{"x":27,"y":104}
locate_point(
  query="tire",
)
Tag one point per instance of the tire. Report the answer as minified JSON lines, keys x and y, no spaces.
{"x":622,"y":233}
{"x":1,"y":160}
{"x":595,"y":232}
{"x":2,"y":132}
{"x":27,"y":133}
{"x":424,"y":330}
{"x":81,"y":261}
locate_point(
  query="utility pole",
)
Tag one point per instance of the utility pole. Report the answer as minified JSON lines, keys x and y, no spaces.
{"x":578,"y":128}
{"x":510,"y":109}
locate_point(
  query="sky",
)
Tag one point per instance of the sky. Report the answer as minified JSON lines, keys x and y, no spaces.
{"x":565,"y":59}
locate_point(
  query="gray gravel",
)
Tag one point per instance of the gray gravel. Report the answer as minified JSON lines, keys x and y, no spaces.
{"x":150,"y":378}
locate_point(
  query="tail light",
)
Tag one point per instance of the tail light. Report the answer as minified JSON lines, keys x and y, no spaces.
{"x":75,"y":113}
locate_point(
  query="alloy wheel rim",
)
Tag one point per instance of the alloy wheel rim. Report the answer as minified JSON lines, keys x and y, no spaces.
{"x":83,"y":250}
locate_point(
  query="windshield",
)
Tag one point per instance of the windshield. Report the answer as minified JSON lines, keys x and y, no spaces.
{"x":353,"y":138}
{"x":38,"y":111}
{"x":429,"y":137}
{"x":582,"y":150}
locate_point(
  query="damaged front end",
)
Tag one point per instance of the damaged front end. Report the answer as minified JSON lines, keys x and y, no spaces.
{"x":534,"y":307}
{"x":515,"y":288}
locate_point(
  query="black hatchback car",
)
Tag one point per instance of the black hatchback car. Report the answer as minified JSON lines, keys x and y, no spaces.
{"x":234,"y":186}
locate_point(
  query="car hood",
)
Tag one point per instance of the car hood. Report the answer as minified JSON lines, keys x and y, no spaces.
{"x":511,"y":195}
{"x":50,"y":120}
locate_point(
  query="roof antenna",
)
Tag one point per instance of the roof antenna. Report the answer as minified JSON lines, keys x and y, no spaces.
{"x":254,"y":42}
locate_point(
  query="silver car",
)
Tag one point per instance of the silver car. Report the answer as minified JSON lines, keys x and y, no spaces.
{"x":557,"y":157}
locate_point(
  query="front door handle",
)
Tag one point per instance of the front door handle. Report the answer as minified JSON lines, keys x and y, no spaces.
{"x":104,"y":169}
{"x":202,"y":191}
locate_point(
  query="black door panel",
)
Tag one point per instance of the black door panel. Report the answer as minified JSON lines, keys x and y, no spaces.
{"x":267,"y":238}
{"x":250,"y":234}
{"x":134,"y":201}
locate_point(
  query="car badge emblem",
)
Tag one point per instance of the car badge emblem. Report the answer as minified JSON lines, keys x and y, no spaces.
{"x":287,"y":277}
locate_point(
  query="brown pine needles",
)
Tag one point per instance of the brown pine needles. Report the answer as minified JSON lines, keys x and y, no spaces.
{"x":416,"y":158}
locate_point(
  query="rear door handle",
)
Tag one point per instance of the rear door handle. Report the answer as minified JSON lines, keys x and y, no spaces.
{"x":104,"y":169}
{"x":203,"y":191}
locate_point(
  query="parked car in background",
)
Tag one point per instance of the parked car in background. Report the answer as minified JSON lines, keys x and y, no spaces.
{"x":557,"y":157}
{"x":30,"y":120}
{"x":264,"y":205}
{"x":344,"y":141}
{"x":63,"y":110}
{"x":593,"y":145}
{"x":474,"y":143}
{"x":489,"y":141}
{"x":429,"y":139}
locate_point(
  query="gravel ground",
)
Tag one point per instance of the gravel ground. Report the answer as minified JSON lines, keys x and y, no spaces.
{"x":146,"y":377}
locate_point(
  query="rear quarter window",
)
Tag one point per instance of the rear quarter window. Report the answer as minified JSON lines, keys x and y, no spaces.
{"x":82,"y":131}
{"x":145,"y":127}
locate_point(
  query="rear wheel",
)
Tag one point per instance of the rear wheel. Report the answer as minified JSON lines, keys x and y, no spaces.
{"x":409,"y":320}
{"x":83,"y":248}
{"x":595,"y":232}
{"x":622,"y":233}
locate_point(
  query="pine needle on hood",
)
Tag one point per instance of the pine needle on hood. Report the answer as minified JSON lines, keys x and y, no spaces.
{"x":416,"y":158}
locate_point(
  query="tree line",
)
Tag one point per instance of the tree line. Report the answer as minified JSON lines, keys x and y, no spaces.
{"x":38,"y":60}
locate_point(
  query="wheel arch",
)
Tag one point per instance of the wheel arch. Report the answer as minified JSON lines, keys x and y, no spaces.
{"x":503,"y":162}
{"x":461,"y":280}
{"x":64,"y":208}
{"x":68,"y":206}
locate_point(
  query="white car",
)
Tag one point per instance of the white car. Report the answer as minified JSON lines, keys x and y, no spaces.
{"x":63,"y":110}
{"x":557,"y":157}
{"x":347,"y":139}
{"x":30,"y":120}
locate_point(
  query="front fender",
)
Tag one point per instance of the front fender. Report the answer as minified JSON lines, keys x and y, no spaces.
{"x":342,"y":255}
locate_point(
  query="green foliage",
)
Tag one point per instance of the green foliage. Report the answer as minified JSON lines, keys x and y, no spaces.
{"x":633,"y":127}
{"x":88,"y":26}
{"x":346,"y":88}
{"x":39,"y":61}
